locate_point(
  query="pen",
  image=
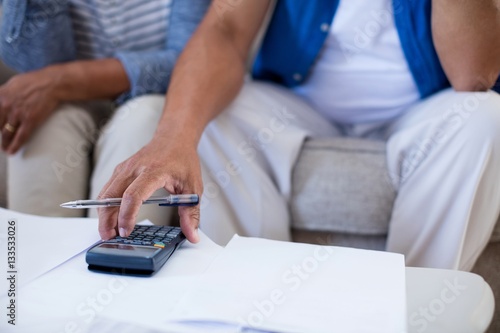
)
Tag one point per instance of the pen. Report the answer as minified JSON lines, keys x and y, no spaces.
{"x":170,"y":200}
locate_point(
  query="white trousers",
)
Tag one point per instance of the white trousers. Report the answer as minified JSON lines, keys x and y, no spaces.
{"x":443,"y":158}
{"x":73,"y":155}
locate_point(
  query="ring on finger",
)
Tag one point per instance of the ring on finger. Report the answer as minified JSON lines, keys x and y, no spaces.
{"x":10,"y":128}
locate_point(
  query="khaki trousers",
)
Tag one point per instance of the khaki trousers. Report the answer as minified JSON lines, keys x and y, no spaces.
{"x":74,"y":154}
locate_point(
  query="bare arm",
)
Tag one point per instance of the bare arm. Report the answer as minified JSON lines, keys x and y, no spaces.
{"x":207,"y":77}
{"x":210,"y":71}
{"x":92,"y":79}
{"x":467,"y":38}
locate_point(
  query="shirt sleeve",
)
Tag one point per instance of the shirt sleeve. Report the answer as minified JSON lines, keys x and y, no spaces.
{"x":149,"y":71}
{"x":35,"y":33}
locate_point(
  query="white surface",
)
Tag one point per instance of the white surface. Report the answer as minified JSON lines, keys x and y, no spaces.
{"x":291,"y":287}
{"x":362,"y":74}
{"x":467,"y":309}
{"x":69,"y":298}
{"x":442,"y":301}
{"x":43,"y":243}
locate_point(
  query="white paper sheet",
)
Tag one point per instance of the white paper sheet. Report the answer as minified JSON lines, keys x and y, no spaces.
{"x":71,"y":299}
{"x":43,"y":243}
{"x":290,"y":287}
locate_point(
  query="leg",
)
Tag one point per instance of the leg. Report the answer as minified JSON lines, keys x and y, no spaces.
{"x":247,"y":155}
{"x":444,"y":157}
{"x":131,"y":127}
{"x":53,"y":167}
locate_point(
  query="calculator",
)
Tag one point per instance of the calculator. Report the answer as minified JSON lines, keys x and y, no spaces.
{"x":143,"y":252}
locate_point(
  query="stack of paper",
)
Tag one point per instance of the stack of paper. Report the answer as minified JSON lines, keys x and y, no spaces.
{"x":41,"y":243}
{"x":289,"y":287}
{"x":256,"y":284}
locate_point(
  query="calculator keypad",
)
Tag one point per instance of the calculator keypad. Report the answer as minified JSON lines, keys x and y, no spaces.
{"x":158,"y":236}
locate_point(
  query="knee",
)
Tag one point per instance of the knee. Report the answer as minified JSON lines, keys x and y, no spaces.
{"x":69,"y":125}
{"x":139,"y":107}
{"x":255,"y":96}
{"x":481,"y":114}
{"x":138,"y":116}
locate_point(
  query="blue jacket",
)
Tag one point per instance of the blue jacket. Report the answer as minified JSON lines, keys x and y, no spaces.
{"x":294,"y":40}
{"x":38,"y":33}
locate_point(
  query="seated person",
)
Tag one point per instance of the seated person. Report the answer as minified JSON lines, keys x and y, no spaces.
{"x":71,"y":53}
{"x":416,"y":77}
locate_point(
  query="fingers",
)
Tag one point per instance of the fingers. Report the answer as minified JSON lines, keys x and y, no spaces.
{"x":136,"y":179}
{"x":140,"y":189}
{"x":107,"y":222}
{"x":9,"y":131}
{"x":20,"y":137}
{"x":108,"y":216}
{"x":190,"y":222}
{"x":190,"y":215}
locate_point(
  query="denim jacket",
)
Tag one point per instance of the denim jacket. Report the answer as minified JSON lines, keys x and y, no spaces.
{"x":38,"y":33}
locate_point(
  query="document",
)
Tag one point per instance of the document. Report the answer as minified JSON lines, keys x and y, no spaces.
{"x":255,"y":284}
{"x":39,"y":244}
{"x":289,"y":287}
{"x":70,"y":298}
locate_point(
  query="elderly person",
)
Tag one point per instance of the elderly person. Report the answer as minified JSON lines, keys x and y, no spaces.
{"x":414,"y":73}
{"x":71,"y":53}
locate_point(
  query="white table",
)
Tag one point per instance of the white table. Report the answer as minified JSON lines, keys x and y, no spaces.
{"x":441,"y":301}
{"x":69,"y":299}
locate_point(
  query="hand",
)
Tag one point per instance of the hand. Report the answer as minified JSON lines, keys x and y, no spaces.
{"x":26,"y":101}
{"x":175,"y":167}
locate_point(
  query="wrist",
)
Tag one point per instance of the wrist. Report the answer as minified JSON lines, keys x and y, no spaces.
{"x":58,"y":83}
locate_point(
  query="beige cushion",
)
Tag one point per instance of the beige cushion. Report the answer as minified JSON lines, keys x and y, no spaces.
{"x":341,"y":185}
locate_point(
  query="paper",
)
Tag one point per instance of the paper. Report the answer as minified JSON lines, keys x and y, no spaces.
{"x":290,"y":287}
{"x":42,"y":243}
{"x":70,"y":298}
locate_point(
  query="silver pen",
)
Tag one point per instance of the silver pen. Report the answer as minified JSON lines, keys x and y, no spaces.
{"x":170,"y":200}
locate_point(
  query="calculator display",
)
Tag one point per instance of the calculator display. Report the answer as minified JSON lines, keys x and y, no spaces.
{"x":126,"y":250}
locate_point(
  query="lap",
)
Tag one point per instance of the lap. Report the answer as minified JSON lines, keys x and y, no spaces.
{"x":53,"y":164}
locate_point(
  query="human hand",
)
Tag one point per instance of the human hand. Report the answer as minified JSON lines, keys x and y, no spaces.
{"x":26,"y":101}
{"x":160,"y":164}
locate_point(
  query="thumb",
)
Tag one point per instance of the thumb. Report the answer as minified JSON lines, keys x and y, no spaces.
{"x":190,"y":222}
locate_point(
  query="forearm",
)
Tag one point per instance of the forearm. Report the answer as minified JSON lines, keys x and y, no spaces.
{"x":89,"y":79}
{"x":467,"y":38}
{"x":206,"y":79}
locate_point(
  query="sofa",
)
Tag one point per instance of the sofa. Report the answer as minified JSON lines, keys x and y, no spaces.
{"x":347,"y":179}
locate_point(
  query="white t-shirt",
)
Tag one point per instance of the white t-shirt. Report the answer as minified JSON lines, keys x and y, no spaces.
{"x":361,"y":75}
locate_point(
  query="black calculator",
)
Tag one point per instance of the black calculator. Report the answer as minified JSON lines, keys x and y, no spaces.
{"x":143,"y":252}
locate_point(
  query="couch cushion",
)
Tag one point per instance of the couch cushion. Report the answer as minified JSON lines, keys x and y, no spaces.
{"x":341,"y":185}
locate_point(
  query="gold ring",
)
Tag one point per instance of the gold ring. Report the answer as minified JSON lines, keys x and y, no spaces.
{"x":10,"y":128}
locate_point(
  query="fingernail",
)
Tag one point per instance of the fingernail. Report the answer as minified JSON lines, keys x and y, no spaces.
{"x":123,"y":232}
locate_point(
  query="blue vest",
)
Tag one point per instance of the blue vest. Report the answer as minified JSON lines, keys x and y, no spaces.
{"x":297,"y":33}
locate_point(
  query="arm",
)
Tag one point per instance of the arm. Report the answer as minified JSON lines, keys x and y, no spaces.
{"x":207,"y":77}
{"x":467,"y":38}
{"x":28,"y":99}
{"x":150,"y":72}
